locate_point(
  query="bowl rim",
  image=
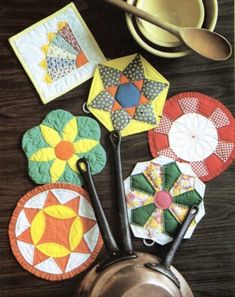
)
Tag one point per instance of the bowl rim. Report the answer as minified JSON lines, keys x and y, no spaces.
{"x":177,"y":42}
{"x":159,"y":52}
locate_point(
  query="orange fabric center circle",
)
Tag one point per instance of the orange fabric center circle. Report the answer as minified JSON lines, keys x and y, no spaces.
{"x":64,"y":150}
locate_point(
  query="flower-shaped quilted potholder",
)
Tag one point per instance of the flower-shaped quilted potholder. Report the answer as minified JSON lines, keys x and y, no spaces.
{"x":159,"y":194}
{"x":196,"y":129}
{"x":53,"y":231}
{"x":128,"y":95}
{"x":54,"y":147}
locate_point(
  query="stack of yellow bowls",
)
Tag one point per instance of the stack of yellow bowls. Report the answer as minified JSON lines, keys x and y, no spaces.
{"x":184,"y":13}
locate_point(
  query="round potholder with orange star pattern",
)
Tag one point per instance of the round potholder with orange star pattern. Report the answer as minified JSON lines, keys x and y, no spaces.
{"x":53,"y":231}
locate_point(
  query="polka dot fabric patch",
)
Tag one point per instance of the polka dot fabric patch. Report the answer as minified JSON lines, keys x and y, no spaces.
{"x":128,"y":95}
{"x":54,"y":147}
{"x":53,"y":231}
{"x":159,"y":194}
{"x":197,"y":129}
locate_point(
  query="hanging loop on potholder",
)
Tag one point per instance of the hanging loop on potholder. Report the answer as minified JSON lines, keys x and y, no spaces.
{"x":54,"y":147}
{"x":53,"y":231}
{"x":128,"y":95}
{"x":159,"y":194}
{"x":197,"y":129}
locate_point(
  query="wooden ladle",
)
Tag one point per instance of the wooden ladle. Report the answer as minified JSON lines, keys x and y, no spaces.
{"x":206,"y":43}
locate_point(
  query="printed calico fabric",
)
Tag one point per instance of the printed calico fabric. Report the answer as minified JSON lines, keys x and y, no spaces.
{"x":58,"y":53}
{"x":128,"y":95}
{"x":159,"y":194}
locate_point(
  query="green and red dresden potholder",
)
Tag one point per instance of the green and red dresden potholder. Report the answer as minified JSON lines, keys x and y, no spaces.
{"x":159,"y":194}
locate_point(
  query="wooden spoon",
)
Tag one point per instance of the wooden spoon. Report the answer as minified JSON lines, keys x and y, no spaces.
{"x":206,"y":43}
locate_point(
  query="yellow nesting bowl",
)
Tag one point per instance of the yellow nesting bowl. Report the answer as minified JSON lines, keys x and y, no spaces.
{"x":183,"y":13}
{"x":209,"y":22}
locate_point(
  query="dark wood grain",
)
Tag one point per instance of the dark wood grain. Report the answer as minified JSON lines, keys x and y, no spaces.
{"x":208,"y":260}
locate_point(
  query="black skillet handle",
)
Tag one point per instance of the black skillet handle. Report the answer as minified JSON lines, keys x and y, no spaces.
{"x":176,"y":243}
{"x":109,"y":241}
{"x":126,"y":244}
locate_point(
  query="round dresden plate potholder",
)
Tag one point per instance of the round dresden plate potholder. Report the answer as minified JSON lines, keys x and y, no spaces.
{"x":197,"y":129}
{"x":159,"y":194}
{"x":53,"y":231}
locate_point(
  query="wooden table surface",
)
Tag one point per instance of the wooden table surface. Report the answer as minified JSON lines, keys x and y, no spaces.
{"x":207,"y":261}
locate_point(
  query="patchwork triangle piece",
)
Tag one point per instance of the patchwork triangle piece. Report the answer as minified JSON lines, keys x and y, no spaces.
{"x":134,"y":71}
{"x":197,"y":129}
{"x":103,"y":101}
{"x":144,"y":113}
{"x":55,"y":233}
{"x":67,"y":33}
{"x":189,"y":104}
{"x":133,"y":85}
{"x":159,"y":194}
{"x":151,"y":89}
{"x":120,"y":119}
{"x":60,"y":42}
{"x":224,"y":150}
{"x":219,"y":118}
{"x":109,"y":75}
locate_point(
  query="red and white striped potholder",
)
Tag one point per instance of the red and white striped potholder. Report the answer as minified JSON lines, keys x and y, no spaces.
{"x":197,"y":129}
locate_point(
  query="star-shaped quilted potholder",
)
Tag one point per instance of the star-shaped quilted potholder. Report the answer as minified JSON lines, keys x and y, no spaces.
{"x":128,"y":95}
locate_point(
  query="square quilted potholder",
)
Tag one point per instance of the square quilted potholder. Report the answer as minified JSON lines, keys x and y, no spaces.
{"x":58,"y":53}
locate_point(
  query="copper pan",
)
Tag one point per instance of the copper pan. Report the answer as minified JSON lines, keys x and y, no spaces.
{"x":125,"y":273}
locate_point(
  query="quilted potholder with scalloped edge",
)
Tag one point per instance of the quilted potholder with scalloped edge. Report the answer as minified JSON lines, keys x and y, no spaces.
{"x":54,"y":147}
{"x":197,"y":129}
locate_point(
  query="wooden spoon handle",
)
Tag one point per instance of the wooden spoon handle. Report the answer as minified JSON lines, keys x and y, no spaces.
{"x":145,"y":16}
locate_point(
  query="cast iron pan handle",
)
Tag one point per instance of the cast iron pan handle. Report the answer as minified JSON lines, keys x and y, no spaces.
{"x":164,"y":266}
{"x":126,"y":245}
{"x":109,"y":241}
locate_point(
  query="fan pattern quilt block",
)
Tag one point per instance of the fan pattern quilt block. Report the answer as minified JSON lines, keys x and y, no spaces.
{"x":58,"y":53}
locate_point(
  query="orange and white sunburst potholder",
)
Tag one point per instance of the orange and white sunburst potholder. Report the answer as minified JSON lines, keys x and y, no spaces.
{"x":53,"y":231}
{"x":58,"y":53}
